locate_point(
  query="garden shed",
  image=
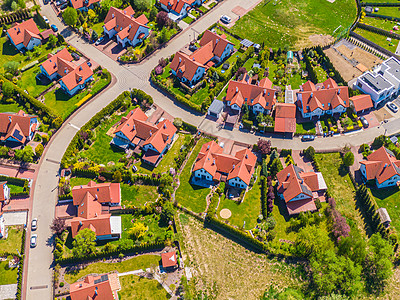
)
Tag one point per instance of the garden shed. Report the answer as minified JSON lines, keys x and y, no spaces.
{"x":384,"y":217}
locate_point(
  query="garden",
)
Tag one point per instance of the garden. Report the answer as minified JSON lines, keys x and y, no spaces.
{"x":10,"y":250}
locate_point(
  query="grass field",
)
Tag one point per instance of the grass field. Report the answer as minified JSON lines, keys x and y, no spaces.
{"x":291,"y":22}
{"x":136,"y":263}
{"x":305,"y":128}
{"x":191,"y":196}
{"x":30,"y":83}
{"x":389,"y":11}
{"x":7,"y":276}
{"x":151,"y":221}
{"x":389,"y":198}
{"x":12,"y":107}
{"x":138,"y":195}
{"x":378,"y":39}
{"x":140,"y":288}
{"x":380,"y":23}
{"x":13,"y":241}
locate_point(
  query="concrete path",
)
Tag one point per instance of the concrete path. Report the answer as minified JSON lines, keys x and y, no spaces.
{"x":136,"y":272}
{"x":8,"y":291}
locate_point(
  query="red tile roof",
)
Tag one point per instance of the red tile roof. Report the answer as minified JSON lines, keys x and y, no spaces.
{"x":22,"y":33}
{"x":362,"y":102}
{"x":77,"y":76}
{"x":61,"y":62}
{"x":298,"y":206}
{"x":285,"y":117}
{"x":18,"y":125}
{"x":124,"y":22}
{"x":325,"y":96}
{"x":381,"y":165}
{"x":212,"y":160}
{"x":176,"y":5}
{"x":82,"y":3}
{"x":169,"y":259}
{"x":103,"y":287}
{"x":260,"y":93}
{"x":100,"y":225}
{"x":184,"y":66}
{"x":104,"y":192}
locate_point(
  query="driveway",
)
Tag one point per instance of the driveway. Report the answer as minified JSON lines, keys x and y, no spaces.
{"x":8,"y":291}
{"x":15,"y":218}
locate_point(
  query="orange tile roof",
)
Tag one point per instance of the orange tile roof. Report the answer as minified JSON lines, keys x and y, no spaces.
{"x":2,"y":197}
{"x":100,"y":225}
{"x":102,"y":287}
{"x":104,"y":192}
{"x":169,"y":259}
{"x":381,"y":165}
{"x":362,"y":102}
{"x":22,"y":33}
{"x":162,"y":136}
{"x":218,"y":42}
{"x":285,"y":117}
{"x":176,"y":5}
{"x":212,"y":159}
{"x":77,"y":76}
{"x":83,"y":3}
{"x":325,"y":96}
{"x":61,"y":62}
{"x":16,"y":125}
{"x":184,"y":66}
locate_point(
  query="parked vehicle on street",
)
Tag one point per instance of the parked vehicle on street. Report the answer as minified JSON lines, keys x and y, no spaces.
{"x":34,"y":224}
{"x":392,"y":107}
{"x":54,"y":27}
{"x":364,"y":122}
{"x":33,"y":240}
{"x":307,"y":138}
{"x":225,"y":19}
{"x":46,"y":20}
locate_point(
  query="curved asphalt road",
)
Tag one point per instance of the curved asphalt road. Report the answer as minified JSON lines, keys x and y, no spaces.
{"x":38,"y":268}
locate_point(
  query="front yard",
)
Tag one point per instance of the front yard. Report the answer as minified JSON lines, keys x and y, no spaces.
{"x":135,"y":287}
{"x":305,"y":128}
{"x":31,"y":83}
{"x":389,"y":198}
{"x":12,"y":244}
{"x":7,"y":275}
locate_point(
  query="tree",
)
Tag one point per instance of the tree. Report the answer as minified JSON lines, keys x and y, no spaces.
{"x":45,"y":139}
{"x":14,"y":6}
{"x":57,"y":122}
{"x":95,"y":36}
{"x":11,"y":67}
{"x":167,"y":213}
{"x":164,"y":36}
{"x":39,"y":150}
{"x":275,"y":167}
{"x":58,"y":225}
{"x":264,"y":146}
{"x":162,"y":19}
{"x":8,"y":89}
{"x":311,"y":240}
{"x":91,"y":14}
{"x":52,"y":41}
{"x":117,"y":176}
{"x":84,"y":243}
{"x":348,"y":159}
{"x":309,"y":153}
{"x":178,"y":122}
{"x":378,"y":142}
{"x":138,"y":230}
{"x":70,"y":16}
{"x":142,"y":5}
{"x":27,"y":154}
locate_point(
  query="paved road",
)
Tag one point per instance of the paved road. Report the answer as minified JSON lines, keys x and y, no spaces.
{"x":39,"y":266}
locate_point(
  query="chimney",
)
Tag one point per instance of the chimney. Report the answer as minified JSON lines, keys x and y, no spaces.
{"x":10,"y":119}
{"x":264,"y":92}
{"x":216,"y":41}
{"x":95,"y":196}
{"x":208,"y":147}
{"x":66,"y":71}
{"x":134,"y":127}
{"x":124,"y":12}
{"x":95,"y":291}
{"x":113,"y":16}
{"x":233,"y":167}
{"x":246,"y":156}
{"x":55,"y":65}
{"x":130,"y":26}
{"x":151,"y":133}
{"x":165,"y":126}
{"x":80,"y":68}
{"x":338,"y":92}
{"x":237,"y":89}
{"x":81,"y":186}
{"x":80,"y":285}
{"x":288,"y":175}
{"x":80,"y":223}
{"x":180,"y":59}
{"x":329,"y":86}
{"x":213,"y":161}
{"x":95,"y":214}
{"x":19,"y":30}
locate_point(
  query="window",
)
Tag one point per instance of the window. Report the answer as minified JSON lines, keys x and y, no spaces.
{"x":267,"y":103}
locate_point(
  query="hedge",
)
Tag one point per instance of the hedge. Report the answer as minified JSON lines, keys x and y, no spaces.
{"x":264,"y":192}
{"x":65,"y":197}
{"x":17,"y":181}
{"x":17,"y":16}
{"x":140,"y":96}
{"x":21,"y":268}
{"x":189,"y":127}
{"x":84,"y":173}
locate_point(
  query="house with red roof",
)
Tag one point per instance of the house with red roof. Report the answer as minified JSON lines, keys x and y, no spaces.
{"x":169,"y":260}
{"x":102,"y":287}
{"x":25,"y":36}
{"x":259,"y":97}
{"x":361,"y":103}
{"x":136,"y":132}
{"x":122,"y":24}
{"x":213,"y":166}
{"x":17,"y":129}
{"x":84,"y":5}
{"x":316,"y":100}
{"x":73,"y":77}
{"x":285,"y":117}
{"x":382,"y":167}
{"x":4,"y":193}
{"x":92,"y":202}
{"x":299,"y":189}
{"x":178,"y":9}
{"x":214,"y":49}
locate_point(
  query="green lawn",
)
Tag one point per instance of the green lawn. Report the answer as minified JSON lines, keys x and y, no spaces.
{"x":98,"y":27}
{"x":380,"y":23}
{"x":15,"y":188}
{"x":13,"y":241}
{"x":321,"y":74}
{"x":249,"y":63}
{"x":378,"y":39}
{"x":136,"y":263}
{"x":230,"y":38}
{"x":291,"y":22}
{"x":191,"y":196}
{"x":305,"y":128}
{"x":341,"y":188}
{"x":188,"y":20}
{"x":389,"y":198}
{"x":389,"y":11}
{"x":140,"y":288}
{"x":13,"y":107}
{"x":29,"y":82}
{"x":248,"y":210}
{"x":152,"y":221}
{"x":138,"y":195}
{"x":7,"y":276}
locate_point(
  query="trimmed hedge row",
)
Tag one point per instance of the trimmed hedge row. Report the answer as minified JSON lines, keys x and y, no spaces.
{"x":17,"y":181}
{"x":189,"y":127}
{"x":382,"y":17}
{"x":379,"y":4}
{"x":140,"y":96}
{"x":65,"y":197}
{"x":84,"y":173}
{"x":264,"y":193}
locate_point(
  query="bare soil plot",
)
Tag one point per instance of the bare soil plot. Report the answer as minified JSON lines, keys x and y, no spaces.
{"x":345,"y":68}
{"x":367,"y":59}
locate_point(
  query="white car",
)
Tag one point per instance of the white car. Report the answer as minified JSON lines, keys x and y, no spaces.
{"x":33,"y":240}
{"x":34,"y":224}
{"x":46,"y":20}
{"x":226,"y":19}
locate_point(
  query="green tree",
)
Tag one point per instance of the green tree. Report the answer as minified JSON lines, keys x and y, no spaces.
{"x":27,"y":154}
{"x":311,"y":240}
{"x":70,"y":16}
{"x":95,"y":36}
{"x":348,"y":159}
{"x":353,"y":247}
{"x":142,"y":5}
{"x":11,"y":67}
{"x":379,"y":141}
{"x":52,"y":41}
{"x":178,"y":122}
{"x":138,"y":230}
{"x":14,"y":6}
{"x":117,"y":176}
{"x":309,"y":153}
{"x":168,"y":212}
{"x":21,"y":4}
{"x":39,"y":150}
{"x":84,"y":243}
{"x":8,"y":89}
{"x":57,"y":122}
{"x":275,"y":167}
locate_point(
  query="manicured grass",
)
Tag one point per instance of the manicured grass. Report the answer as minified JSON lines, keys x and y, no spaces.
{"x":321,"y":74}
{"x":191,"y":196}
{"x":305,"y":128}
{"x":378,"y":39}
{"x":13,"y":107}
{"x":341,"y":188}
{"x":98,"y":27}
{"x":138,"y":195}
{"x":389,"y":198}
{"x":230,"y":38}
{"x":200,"y":95}
{"x":7,"y":276}
{"x":380,"y":23}
{"x":154,"y":232}
{"x":9,"y":53}
{"x":29,"y":82}
{"x":140,"y":288}
{"x":79,"y":181}
{"x":389,"y":11}
{"x":15,"y":188}
{"x":13,"y":241}
{"x":188,"y":20}
{"x":248,"y":210}
{"x":136,"y":263}
{"x":203,"y":9}
{"x":291,"y":22}
{"x":249,"y":63}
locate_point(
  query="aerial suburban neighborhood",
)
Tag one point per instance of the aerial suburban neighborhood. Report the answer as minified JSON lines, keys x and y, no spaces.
{"x":199,"y":149}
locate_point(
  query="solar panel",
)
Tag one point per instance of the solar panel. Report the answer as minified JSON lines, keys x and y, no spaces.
{"x":246,"y":43}
{"x":17,"y":135}
{"x":101,"y":279}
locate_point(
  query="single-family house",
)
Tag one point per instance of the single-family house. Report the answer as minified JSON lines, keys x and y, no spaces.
{"x":84,"y":5}
{"x":2,"y":226}
{"x":299,"y":189}
{"x":25,"y":36}
{"x":73,"y":77}
{"x":169,"y":260}
{"x":122,"y":24}
{"x":361,"y":103}
{"x":102,"y":287}
{"x":212,"y":165}
{"x":259,"y":97}
{"x":285,"y":117}
{"x":382,"y":83}
{"x":178,"y":9}
{"x":316,"y":100}
{"x":382,"y":167}
{"x":92,"y":202}
{"x":136,"y":132}
{"x":17,"y":129}
{"x":4,"y":193}
{"x":214,"y":49}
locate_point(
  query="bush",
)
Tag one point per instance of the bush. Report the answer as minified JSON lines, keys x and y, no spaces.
{"x":309,"y":153}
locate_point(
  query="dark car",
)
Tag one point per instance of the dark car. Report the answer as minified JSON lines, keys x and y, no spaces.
{"x":192,"y":47}
{"x":75,"y":56}
{"x":89,"y":63}
{"x":54,"y":28}
{"x":306,"y":138}
{"x":364,"y":122}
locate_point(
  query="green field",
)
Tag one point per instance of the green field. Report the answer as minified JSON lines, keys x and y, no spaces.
{"x":7,"y":276}
{"x":389,"y":198}
{"x":291,"y":22}
{"x":13,"y":242}
{"x":138,"y":195}
{"x":30,"y":83}
{"x":380,"y":23}
{"x":388,"y":11}
{"x":140,"y":288}
{"x":378,"y":39}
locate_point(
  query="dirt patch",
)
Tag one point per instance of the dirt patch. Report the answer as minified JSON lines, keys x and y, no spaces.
{"x":345,"y":68}
{"x":365,"y":58}
{"x":321,"y":39}
{"x":382,"y":114}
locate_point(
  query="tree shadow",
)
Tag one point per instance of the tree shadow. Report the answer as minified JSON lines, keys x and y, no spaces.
{"x":280,"y":203}
{"x":61,"y":95}
{"x":343,"y":170}
{"x":9,"y":49}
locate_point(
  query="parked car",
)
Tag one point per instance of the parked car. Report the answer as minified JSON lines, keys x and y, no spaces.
{"x":225,"y":19}
{"x":192,"y":47}
{"x":75,"y":56}
{"x":364,"y":122}
{"x":392,"y":107}
{"x":306,"y":138}
{"x":54,"y":27}
{"x":34,"y":224}
{"x":134,"y":169}
{"x":33,"y":240}
{"x":99,"y":41}
{"x":46,"y":20}
{"x":89,"y":63}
